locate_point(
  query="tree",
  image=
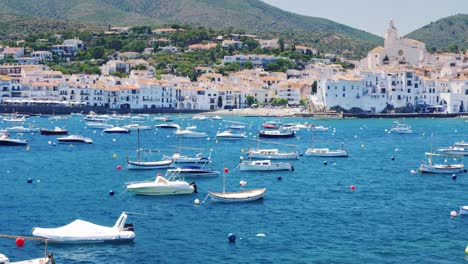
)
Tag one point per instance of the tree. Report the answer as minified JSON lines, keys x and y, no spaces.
{"x":250,"y":100}
{"x":303,"y":102}
{"x":314,"y":87}
{"x":281,"y":44}
{"x":97,"y":52}
{"x":220,"y":101}
{"x":279,"y":101}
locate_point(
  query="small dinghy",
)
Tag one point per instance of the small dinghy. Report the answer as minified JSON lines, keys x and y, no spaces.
{"x":80,"y":231}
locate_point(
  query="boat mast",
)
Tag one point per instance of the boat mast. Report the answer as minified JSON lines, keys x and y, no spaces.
{"x":138,"y":149}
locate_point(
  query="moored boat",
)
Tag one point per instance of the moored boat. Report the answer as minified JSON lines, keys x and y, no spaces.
{"x":194,"y":171}
{"x":457,"y":151}
{"x":55,"y":131}
{"x":6,"y":140}
{"x":264,"y":165}
{"x":326,"y":152}
{"x":75,"y":139}
{"x":272,"y":154}
{"x":80,"y":231}
{"x":276,"y":134}
{"x":21,"y":129}
{"x":162,"y":186}
{"x":238,"y":197}
{"x":98,"y":125}
{"x":169,"y":125}
{"x":187,"y":133}
{"x":229,"y":135}
{"x":430,"y":167}
{"x":116,"y":130}
{"x":135,"y":127}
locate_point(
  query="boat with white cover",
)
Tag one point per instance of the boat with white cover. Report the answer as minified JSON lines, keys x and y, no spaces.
{"x":272,"y":154}
{"x":116,"y":130}
{"x":80,"y":231}
{"x":75,"y":139}
{"x":430,"y":167}
{"x":229,"y":135}
{"x":187,"y":133}
{"x":194,"y":171}
{"x":162,"y":186}
{"x":264,"y":165}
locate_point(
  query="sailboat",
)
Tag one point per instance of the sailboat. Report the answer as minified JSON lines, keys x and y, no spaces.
{"x":430,"y":167}
{"x":147,"y":165}
{"x":325,"y":152}
{"x":236,"y":197}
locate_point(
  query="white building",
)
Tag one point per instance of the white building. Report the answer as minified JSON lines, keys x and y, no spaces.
{"x":396,"y":51}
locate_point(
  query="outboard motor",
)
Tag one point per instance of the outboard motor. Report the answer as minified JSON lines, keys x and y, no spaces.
{"x":129,"y":227}
{"x":194,"y":185}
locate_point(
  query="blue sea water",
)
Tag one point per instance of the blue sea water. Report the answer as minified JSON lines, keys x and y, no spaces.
{"x":310,"y":216}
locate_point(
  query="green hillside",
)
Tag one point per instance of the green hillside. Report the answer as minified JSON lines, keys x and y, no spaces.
{"x":251,"y":16}
{"x":446,"y":34}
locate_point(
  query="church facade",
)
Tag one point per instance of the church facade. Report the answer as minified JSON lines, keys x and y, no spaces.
{"x":396,"y":51}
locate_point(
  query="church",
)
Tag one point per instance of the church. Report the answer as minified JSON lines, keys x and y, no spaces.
{"x":396,"y":51}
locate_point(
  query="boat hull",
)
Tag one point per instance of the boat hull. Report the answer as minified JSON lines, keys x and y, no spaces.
{"x":238,"y":197}
{"x":273,"y":156}
{"x":275,"y":135}
{"x":283,"y":166}
{"x":194,"y":173}
{"x":326,"y":153}
{"x":157,"y":190}
{"x":148,"y":165}
{"x":53,"y":132}
{"x":445,"y":169}
{"x":14,"y":142}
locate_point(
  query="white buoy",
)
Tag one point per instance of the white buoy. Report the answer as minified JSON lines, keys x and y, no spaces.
{"x":260,"y":235}
{"x":242,"y":183}
{"x":453,"y":214}
{"x":49,"y":142}
{"x":196,"y":202}
{"x":113,"y":140}
{"x":413,"y":172}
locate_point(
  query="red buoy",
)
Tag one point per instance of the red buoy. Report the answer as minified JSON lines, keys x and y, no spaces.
{"x":352,"y":187}
{"x":226,"y":170}
{"x":119,"y":167}
{"x":159,"y":174}
{"x":20,"y":242}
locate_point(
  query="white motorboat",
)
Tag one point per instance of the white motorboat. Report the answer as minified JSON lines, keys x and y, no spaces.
{"x":194,"y":171}
{"x":21,"y":129}
{"x":326,"y":152}
{"x":162,"y":186}
{"x":187,"y":133}
{"x":75,"y":139}
{"x":96,"y":118}
{"x":320,"y":128}
{"x":135,"y":127}
{"x":463,"y":210}
{"x":199,"y":117}
{"x":162,"y":118}
{"x":454,"y":151}
{"x":272,"y":154}
{"x":238,"y":197}
{"x":229,"y":135}
{"x":6,"y":140}
{"x":402,"y":129}
{"x":116,"y":130}
{"x":264,"y":165}
{"x":172,"y":126}
{"x":461,"y":144}
{"x":80,"y":231}
{"x":14,"y":119}
{"x":430,"y":167}
{"x":98,"y":125}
